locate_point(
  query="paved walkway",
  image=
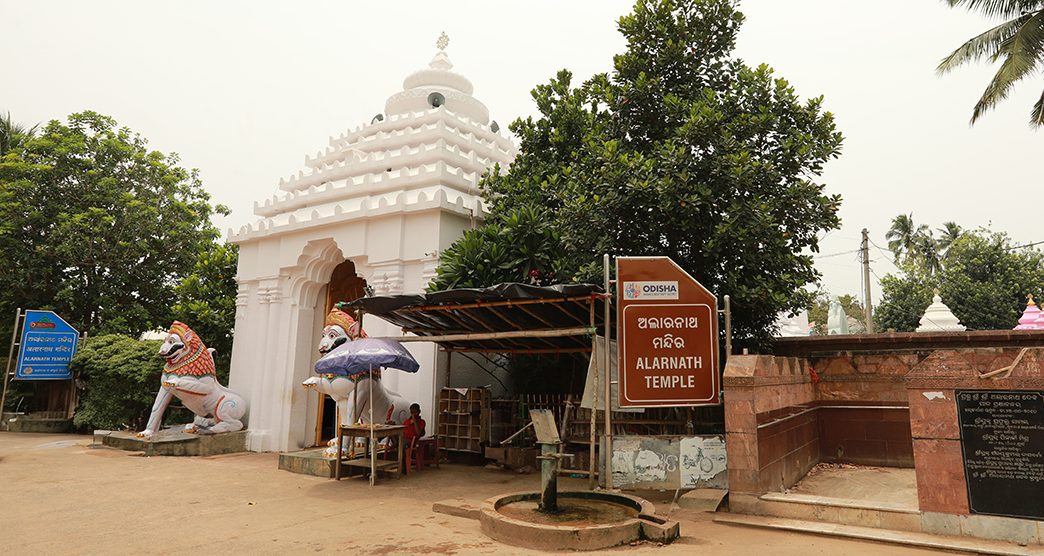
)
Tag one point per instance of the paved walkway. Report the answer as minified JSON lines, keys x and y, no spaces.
{"x":885,"y":486}
{"x":60,"y":496}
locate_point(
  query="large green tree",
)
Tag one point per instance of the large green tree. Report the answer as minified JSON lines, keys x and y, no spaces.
{"x":97,"y":227}
{"x":206,"y":300}
{"x":682,"y":150}
{"x":984,"y":280}
{"x":1017,"y":43}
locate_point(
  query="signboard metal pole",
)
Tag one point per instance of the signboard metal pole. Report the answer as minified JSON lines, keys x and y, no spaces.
{"x":728,"y":327}
{"x":608,"y":386}
{"x":10,"y":357}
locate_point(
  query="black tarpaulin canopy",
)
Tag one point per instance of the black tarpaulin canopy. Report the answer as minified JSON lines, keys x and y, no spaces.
{"x":506,"y":318}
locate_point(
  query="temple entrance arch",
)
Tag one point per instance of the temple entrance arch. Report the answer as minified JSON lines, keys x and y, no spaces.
{"x":345,"y":285}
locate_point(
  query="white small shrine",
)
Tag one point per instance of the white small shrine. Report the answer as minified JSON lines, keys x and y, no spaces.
{"x":938,"y":318}
{"x":371,"y":211}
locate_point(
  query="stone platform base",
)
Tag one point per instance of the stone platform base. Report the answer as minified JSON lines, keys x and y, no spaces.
{"x":308,"y":462}
{"x":24,"y":423}
{"x":173,"y":442}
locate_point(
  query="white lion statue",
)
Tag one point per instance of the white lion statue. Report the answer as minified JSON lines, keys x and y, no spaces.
{"x":339,"y":328}
{"x":189,"y":374}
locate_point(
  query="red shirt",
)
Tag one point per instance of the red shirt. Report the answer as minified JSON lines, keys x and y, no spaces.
{"x":411,"y":432}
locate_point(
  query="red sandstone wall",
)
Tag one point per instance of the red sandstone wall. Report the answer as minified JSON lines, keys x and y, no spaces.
{"x":780,"y":421}
{"x":865,"y":435}
{"x":874,"y":377}
{"x":771,"y":439}
{"x":941,"y":484}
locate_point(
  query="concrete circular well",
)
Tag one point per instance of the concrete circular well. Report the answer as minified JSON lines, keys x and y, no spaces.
{"x":614,"y":531}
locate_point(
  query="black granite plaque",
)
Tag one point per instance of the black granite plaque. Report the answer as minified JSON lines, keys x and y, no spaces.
{"x":1002,"y":438}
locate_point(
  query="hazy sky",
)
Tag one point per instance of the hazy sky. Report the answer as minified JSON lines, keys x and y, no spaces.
{"x":243,"y":90}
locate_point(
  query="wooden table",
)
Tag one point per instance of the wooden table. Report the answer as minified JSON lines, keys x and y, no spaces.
{"x":369,"y":461}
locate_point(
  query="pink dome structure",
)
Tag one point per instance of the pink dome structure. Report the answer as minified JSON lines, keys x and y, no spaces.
{"x":1032,"y":318}
{"x":1040,"y":321}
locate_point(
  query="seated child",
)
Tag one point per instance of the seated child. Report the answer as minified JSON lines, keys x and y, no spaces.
{"x":414,"y":426}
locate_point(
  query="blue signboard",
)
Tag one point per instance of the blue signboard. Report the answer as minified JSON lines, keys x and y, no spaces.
{"x":48,"y":344}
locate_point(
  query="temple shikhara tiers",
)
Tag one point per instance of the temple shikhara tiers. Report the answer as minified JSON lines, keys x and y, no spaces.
{"x":373,"y":209}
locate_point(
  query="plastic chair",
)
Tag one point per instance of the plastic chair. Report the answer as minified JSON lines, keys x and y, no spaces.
{"x":424,"y":452}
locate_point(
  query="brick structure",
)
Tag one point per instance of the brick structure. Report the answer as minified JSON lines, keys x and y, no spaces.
{"x":883,"y":400}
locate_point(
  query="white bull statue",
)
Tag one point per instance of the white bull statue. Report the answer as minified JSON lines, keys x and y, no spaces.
{"x":189,"y":375}
{"x":352,"y":394}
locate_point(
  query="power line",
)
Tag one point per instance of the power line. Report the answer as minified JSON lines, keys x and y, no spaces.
{"x":836,"y":254}
{"x":881,"y":248}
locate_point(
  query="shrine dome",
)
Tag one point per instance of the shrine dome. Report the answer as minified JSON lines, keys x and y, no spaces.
{"x":437,"y":86}
{"x":1030,"y":319}
{"x":938,"y":318}
{"x":428,"y":149}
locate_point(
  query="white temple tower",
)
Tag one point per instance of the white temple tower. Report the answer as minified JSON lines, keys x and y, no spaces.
{"x":374,"y":209}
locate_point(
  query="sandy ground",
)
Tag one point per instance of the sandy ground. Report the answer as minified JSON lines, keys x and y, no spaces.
{"x":59,"y":496}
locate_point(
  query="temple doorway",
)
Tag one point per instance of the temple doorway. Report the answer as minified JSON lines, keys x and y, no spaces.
{"x":345,"y":285}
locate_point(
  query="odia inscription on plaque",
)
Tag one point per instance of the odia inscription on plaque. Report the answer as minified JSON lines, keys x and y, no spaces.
{"x":1002,"y":438}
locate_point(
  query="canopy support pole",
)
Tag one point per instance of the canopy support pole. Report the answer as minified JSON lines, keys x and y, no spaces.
{"x":608,"y":386}
{"x":373,"y":444}
{"x":592,"y":461}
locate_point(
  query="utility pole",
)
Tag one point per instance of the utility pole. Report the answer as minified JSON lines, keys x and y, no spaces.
{"x":867,"y":309}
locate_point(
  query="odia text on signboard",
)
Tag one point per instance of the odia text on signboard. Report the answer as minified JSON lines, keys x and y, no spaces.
{"x":668,"y":330}
{"x":48,"y":345}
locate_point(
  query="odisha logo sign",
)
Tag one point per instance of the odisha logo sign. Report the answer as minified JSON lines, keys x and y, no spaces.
{"x":42,"y":323}
{"x":651,"y":290}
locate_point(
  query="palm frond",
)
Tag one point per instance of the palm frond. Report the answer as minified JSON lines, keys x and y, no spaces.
{"x":1022,"y":52}
{"x":1037,"y":114}
{"x":998,"y":8}
{"x":981,"y":46}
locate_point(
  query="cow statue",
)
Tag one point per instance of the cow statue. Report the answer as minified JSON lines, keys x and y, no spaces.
{"x":189,"y":375}
{"x":388,"y":406}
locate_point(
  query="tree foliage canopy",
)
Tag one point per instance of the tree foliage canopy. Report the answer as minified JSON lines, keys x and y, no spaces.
{"x":983,"y":279}
{"x":682,"y":150}
{"x":206,"y":300}
{"x":97,"y":227}
{"x":508,"y":244}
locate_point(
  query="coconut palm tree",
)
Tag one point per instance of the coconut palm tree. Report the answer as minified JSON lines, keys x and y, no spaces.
{"x":926,"y":252}
{"x":902,"y":236}
{"x":1018,"y":43}
{"x":948,"y":234}
{"x":12,"y":135}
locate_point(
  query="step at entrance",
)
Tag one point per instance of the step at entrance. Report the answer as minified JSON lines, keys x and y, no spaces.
{"x":937,"y":542}
{"x":842,"y":511}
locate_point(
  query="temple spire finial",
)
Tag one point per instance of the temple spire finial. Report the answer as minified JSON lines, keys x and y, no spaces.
{"x":443,"y":41}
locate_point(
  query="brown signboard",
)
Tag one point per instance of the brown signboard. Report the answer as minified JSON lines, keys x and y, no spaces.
{"x":668,"y":335}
